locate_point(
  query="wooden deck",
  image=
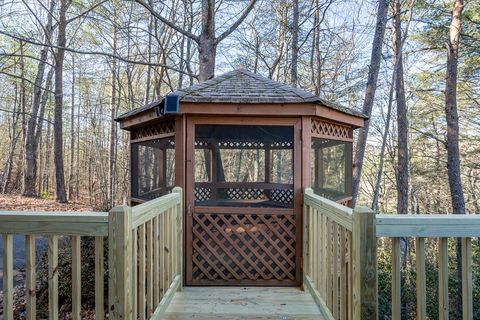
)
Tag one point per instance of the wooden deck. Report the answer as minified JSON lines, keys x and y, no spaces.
{"x":234,"y":303}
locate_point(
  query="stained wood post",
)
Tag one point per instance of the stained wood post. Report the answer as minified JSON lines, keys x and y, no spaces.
{"x":120,"y":263}
{"x":365,"y":295}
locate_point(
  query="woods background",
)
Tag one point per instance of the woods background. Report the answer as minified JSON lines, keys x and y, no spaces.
{"x":68,"y":68}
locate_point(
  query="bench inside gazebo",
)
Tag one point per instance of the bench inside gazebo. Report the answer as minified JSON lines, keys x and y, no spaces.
{"x":240,"y":194}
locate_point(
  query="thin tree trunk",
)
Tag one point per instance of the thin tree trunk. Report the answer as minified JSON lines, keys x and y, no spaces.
{"x":207,"y":47}
{"x":61,"y":194}
{"x":71,"y":175}
{"x":402,"y":122}
{"x":451,"y":114}
{"x":31,"y":154}
{"x":295,"y":27}
{"x":375,"y":59}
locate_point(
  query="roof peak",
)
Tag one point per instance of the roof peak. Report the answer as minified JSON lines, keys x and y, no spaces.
{"x":241,"y":86}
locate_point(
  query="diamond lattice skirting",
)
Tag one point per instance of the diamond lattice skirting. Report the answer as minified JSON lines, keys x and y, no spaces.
{"x":243,"y":248}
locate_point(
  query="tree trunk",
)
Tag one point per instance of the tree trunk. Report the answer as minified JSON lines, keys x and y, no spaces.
{"x":71,"y":174}
{"x":451,"y":114}
{"x":113,"y":125}
{"x":375,"y":59}
{"x":31,"y":155}
{"x":295,"y":27}
{"x":207,"y":47}
{"x":402,"y":122}
{"x":61,"y":194}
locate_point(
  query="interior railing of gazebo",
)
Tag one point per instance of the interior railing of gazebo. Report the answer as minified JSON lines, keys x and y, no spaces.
{"x":145,"y":257}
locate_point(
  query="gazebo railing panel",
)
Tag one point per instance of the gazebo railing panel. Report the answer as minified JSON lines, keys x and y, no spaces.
{"x":144,"y":257}
{"x":327,"y":253}
{"x":441,"y":228}
{"x":145,"y":252}
{"x":53,"y":225}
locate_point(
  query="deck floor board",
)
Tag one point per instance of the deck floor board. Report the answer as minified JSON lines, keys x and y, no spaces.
{"x":234,"y":303}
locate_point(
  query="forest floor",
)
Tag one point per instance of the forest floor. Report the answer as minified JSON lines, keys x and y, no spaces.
{"x":20,"y":203}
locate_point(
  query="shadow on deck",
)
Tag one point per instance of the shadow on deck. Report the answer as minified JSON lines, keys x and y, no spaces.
{"x":242,"y":303}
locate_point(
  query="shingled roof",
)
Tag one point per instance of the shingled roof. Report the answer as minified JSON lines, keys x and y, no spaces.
{"x":243,"y":86}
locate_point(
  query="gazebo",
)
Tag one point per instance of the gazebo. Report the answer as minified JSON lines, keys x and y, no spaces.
{"x":243,"y":148}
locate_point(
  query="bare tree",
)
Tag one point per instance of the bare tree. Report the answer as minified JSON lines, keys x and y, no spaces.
{"x":207,"y":41}
{"x":61,"y":194}
{"x":295,"y":29}
{"x":375,"y":59}
{"x":451,"y":114}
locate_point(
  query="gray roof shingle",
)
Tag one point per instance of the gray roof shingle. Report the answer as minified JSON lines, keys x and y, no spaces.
{"x":243,"y":86}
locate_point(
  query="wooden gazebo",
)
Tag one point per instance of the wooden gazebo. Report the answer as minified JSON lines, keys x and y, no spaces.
{"x":243,"y":147}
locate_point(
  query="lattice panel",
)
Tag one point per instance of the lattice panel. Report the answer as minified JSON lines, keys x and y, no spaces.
{"x":244,"y":194}
{"x":324,"y":129}
{"x":282,"y":195}
{"x":240,"y":247}
{"x":202,"y":193}
{"x":154,"y":129}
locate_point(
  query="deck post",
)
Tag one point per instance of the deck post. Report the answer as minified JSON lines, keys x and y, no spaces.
{"x":179,"y":235}
{"x":120,"y":263}
{"x":364,"y":252}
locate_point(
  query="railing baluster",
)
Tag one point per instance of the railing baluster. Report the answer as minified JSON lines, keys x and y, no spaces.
{"x":76,"y":278}
{"x":396,"y":286}
{"x":343,"y":274}
{"x":467,"y":282}
{"x":443,"y":308}
{"x":30,"y":277}
{"x":166,"y":257}
{"x":421,"y":279}
{"x":324,"y":262}
{"x":335,"y":270}
{"x":135,"y":273}
{"x":316,"y":249}
{"x":161,"y":276}
{"x":99,"y":278}
{"x":141,"y":272}
{"x":8,"y":277}
{"x":156,"y":287}
{"x":53,"y":277}
{"x":149,"y":260}
{"x":328,"y":271}
{"x":350,"y":275}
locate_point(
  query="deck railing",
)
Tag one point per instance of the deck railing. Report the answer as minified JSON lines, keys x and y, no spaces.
{"x":439,"y":228}
{"x":339,"y":250}
{"x":340,"y":264}
{"x":144,"y":255}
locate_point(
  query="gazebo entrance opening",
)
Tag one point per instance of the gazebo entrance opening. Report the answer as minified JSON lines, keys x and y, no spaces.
{"x":242,"y":217}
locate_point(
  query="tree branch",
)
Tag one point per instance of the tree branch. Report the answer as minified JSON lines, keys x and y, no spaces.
{"x":237,"y":23}
{"x":105,"y":54}
{"x":168,"y":22}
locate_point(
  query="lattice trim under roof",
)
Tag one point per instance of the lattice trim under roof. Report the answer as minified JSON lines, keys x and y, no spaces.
{"x":329,"y":130}
{"x":154,"y":130}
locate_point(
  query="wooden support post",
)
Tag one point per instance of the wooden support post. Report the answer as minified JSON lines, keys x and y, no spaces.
{"x":120,"y":263}
{"x":443,"y":308}
{"x":364,"y":264}
{"x":180,"y":246}
{"x":396,"y":283}
{"x":8,"y":277}
{"x":99,"y":276}
{"x":76,"y":278}
{"x":53,"y":277}
{"x":421,"y":280}
{"x":467,"y":281}
{"x":30,"y":280}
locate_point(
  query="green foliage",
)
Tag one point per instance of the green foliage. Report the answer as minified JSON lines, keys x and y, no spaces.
{"x":431,"y":267}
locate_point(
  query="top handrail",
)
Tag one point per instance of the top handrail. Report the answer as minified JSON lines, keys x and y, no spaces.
{"x":428,"y":225}
{"x":340,"y":214}
{"x":147,"y":211}
{"x":54,"y":223}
